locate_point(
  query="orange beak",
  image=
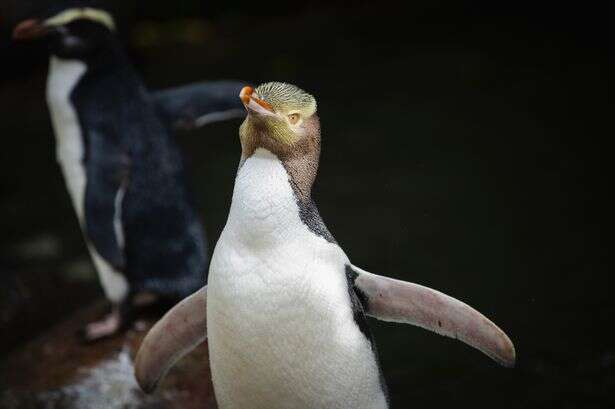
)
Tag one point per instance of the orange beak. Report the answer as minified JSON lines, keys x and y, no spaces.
{"x":29,"y":29}
{"x":253,"y":103}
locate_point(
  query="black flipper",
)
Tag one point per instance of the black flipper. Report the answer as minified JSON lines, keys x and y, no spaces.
{"x":194,"y":105}
{"x":108,"y":172}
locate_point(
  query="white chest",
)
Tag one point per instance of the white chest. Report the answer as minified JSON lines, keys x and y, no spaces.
{"x":280,"y":325}
{"x":62,"y":79}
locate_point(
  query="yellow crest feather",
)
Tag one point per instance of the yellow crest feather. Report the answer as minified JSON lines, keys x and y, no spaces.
{"x":67,"y":16}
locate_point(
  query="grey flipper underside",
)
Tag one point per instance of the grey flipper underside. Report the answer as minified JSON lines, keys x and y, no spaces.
{"x":393,"y":300}
{"x":181,"y":330}
{"x":185,"y":326}
{"x":194,"y":105}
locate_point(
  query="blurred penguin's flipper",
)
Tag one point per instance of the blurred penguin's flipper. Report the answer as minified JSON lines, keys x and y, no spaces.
{"x":393,"y":300}
{"x":108,"y":170}
{"x":194,"y":105}
{"x":181,"y":330}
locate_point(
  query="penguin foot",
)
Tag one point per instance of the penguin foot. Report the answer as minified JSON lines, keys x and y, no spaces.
{"x":124,"y":315}
{"x":109,"y":325}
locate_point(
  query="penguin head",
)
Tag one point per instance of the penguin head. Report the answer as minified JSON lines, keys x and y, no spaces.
{"x":75,"y":31}
{"x":282,"y":119}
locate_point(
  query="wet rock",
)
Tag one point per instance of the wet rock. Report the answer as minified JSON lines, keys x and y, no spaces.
{"x":57,"y":371}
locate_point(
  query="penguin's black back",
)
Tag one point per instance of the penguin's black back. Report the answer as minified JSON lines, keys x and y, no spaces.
{"x":128,"y":149}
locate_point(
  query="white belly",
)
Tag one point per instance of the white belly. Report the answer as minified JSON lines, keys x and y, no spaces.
{"x":280,"y":325}
{"x":62,"y":79}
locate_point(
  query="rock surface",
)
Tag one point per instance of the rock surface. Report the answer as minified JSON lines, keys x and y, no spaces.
{"x":58,"y":371}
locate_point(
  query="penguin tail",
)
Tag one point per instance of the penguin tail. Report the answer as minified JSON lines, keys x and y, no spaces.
{"x":181,"y":330}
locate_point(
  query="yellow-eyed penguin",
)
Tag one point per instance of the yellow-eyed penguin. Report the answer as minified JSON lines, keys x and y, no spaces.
{"x":284,"y":309}
{"x":123,"y":170}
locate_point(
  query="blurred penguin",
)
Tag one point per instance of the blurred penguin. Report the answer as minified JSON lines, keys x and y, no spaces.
{"x":123,"y":171}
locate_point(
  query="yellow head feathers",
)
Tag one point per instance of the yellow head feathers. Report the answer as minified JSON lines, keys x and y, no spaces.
{"x":67,"y":16}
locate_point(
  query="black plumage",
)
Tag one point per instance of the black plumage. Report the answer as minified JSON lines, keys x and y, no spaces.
{"x":139,"y":215}
{"x":129,"y":148}
{"x":194,"y":105}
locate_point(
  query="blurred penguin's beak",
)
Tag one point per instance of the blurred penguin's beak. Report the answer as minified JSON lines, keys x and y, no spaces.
{"x":30,"y":29}
{"x":253,"y":104}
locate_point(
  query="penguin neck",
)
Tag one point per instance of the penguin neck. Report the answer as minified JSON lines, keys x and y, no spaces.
{"x":63,"y":77}
{"x":108,"y":72}
{"x":299,"y":159}
{"x":264,"y":206}
{"x":268,"y":207}
{"x":108,"y":57}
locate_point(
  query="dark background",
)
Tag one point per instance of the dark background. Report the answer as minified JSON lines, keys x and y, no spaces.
{"x":464,"y":148}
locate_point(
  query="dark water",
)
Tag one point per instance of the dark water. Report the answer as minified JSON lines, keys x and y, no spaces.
{"x":459,"y":152}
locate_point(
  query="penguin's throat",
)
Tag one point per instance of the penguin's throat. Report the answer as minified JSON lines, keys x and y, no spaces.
{"x":300,"y":160}
{"x":264,"y":206}
{"x":255,"y":134}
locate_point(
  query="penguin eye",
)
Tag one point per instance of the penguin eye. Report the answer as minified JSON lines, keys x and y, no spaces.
{"x":294,"y":118}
